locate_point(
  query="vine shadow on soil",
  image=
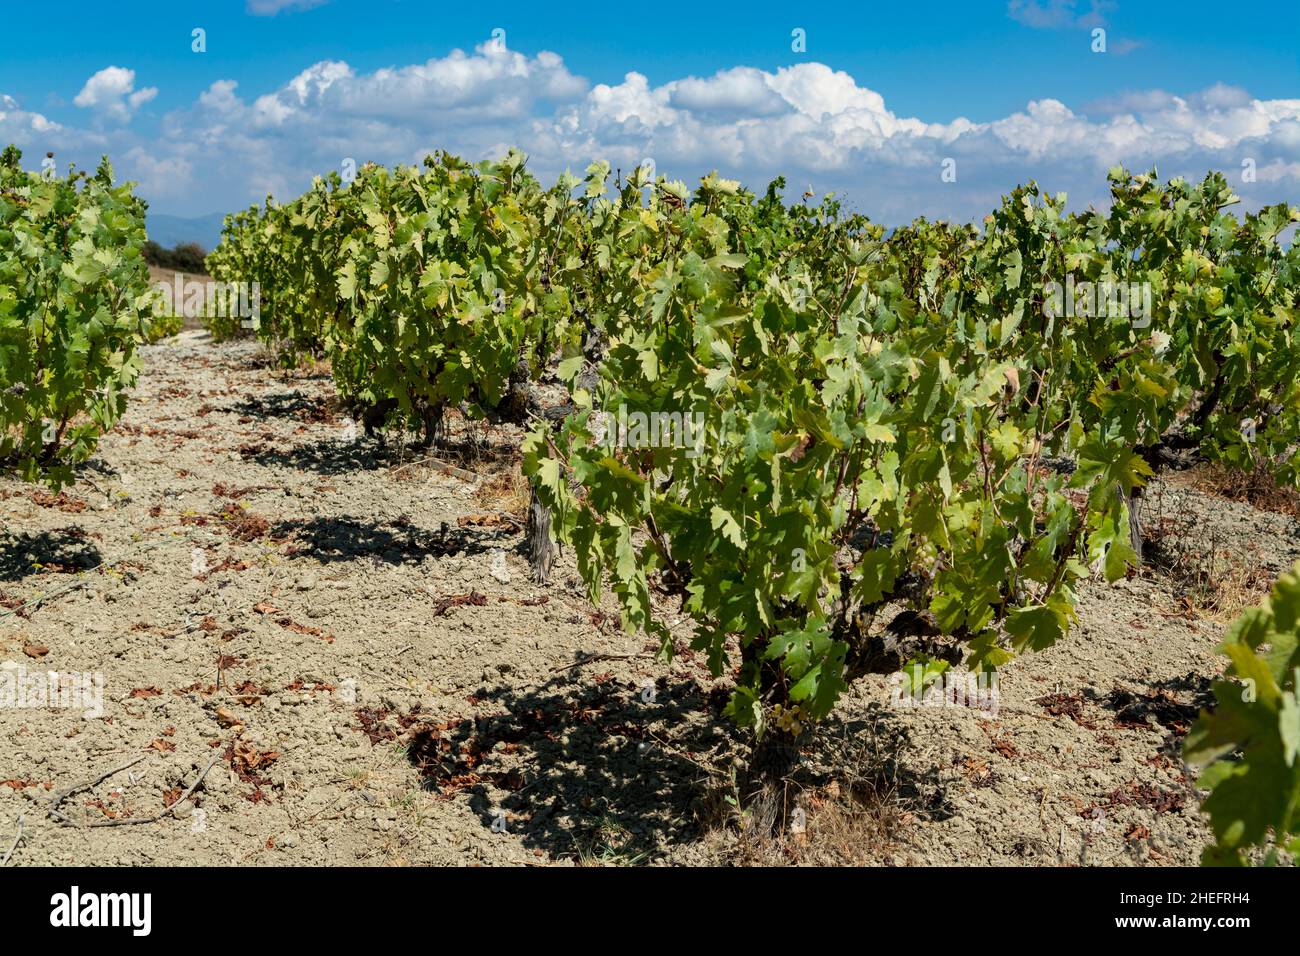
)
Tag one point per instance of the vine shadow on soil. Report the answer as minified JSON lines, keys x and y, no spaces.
{"x":97,"y":466}
{"x":396,"y":542}
{"x":612,"y":771}
{"x":291,"y":405}
{"x":332,"y":457}
{"x":68,"y":549}
{"x":1161,"y":706}
{"x":343,"y":456}
{"x":463,"y":445}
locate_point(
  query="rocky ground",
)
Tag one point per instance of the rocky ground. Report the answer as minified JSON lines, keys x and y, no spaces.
{"x":343,"y":643}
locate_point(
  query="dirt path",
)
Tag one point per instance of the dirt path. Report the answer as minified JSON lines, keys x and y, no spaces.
{"x":362,"y":653}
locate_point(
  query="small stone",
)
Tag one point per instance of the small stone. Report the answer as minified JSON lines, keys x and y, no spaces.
{"x":499,"y":571}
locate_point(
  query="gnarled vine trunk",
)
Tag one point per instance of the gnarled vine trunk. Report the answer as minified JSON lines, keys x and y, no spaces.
{"x":1133,"y":502}
{"x":767,"y":784}
{"x":435,"y":427}
{"x":766,"y":781}
{"x":541,"y":547}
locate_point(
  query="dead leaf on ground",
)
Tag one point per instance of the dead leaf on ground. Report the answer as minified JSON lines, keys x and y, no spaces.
{"x":447,"y":602}
{"x":245,"y":760}
{"x":64,"y":502}
{"x":227,"y":718}
{"x":289,"y":624}
{"x":485,"y":519}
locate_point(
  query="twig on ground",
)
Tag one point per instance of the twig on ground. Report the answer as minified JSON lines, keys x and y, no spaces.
{"x":18,"y":838}
{"x":170,"y":807}
{"x":82,"y":578}
{"x":130,"y":821}
{"x":592,"y":658}
{"x":53,"y":805}
{"x":440,"y":465}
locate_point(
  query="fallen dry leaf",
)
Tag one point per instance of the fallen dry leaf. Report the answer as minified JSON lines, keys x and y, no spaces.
{"x":62,"y":502}
{"x":227,"y":719}
{"x":444,"y":604}
{"x":289,"y":624}
{"x":245,"y":759}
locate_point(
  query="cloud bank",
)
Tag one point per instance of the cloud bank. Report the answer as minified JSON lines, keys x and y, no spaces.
{"x":816,"y":125}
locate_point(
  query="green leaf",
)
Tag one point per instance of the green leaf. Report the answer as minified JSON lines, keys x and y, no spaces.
{"x":722,"y":520}
{"x":1289,"y":728}
{"x":1037,"y":627}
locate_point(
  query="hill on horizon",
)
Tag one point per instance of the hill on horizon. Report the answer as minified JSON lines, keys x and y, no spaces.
{"x":171,"y":231}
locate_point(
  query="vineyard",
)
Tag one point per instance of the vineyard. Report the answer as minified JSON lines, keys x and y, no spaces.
{"x":621,"y":509}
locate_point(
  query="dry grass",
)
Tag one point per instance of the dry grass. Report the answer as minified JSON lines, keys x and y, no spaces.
{"x":608,"y":843}
{"x":835,"y":828}
{"x":1255,"y":487}
{"x":1206,"y":578}
{"x":506,"y":490}
{"x":848,"y":806}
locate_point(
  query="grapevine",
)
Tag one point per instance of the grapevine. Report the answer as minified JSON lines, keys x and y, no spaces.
{"x":827,"y":422}
{"x":74,"y":301}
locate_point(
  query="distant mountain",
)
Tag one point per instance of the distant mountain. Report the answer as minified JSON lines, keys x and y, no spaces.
{"x":171,"y":231}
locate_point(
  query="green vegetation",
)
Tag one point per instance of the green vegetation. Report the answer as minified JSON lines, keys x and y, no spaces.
{"x":74,"y":300}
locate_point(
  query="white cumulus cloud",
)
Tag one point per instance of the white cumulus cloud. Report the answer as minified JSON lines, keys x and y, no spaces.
{"x":34,"y":131}
{"x":111,"y":92}
{"x":812,"y":123}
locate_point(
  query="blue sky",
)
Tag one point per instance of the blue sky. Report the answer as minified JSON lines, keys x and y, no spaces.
{"x":880,"y":96}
